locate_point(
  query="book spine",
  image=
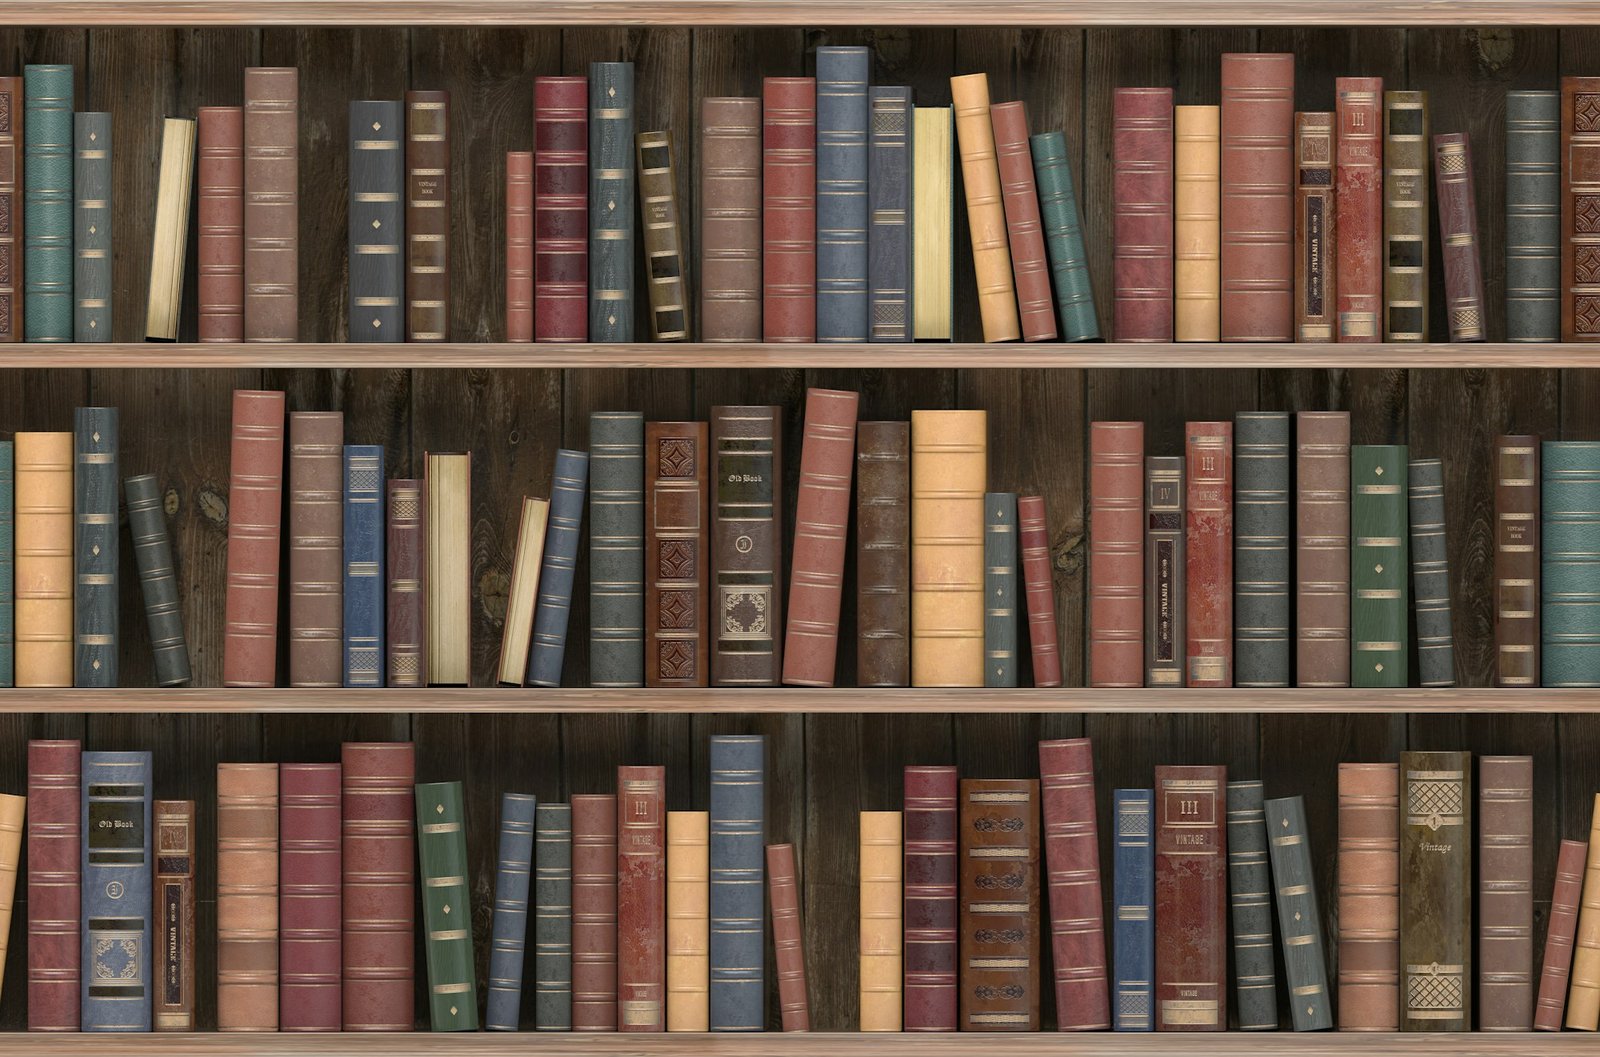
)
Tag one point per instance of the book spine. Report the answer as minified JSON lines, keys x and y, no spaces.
{"x":255,"y":510}
{"x":1358,"y":207}
{"x":519,"y":245}
{"x":843,"y":74}
{"x":1000,"y":589}
{"x":1379,"y":581}
{"x":730,"y":219}
{"x":676,"y":635}
{"x":879,"y":977}
{"x":642,"y":898}
{"x":47,"y":209}
{"x":115,"y":954}
{"x":561,"y":208}
{"x":95,"y":547}
{"x":949,"y":475}
{"x":933,"y":213}
{"x":1133,"y":902}
{"x":1024,"y":227}
{"x":1369,"y":897}
{"x":174,"y":908}
{"x":783,"y":877}
{"x":1257,"y":270}
{"x":616,"y":549}
{"x":1436,"y":891}
{"x":1458,"y":237}
{"x":1072,"y":865}
{"x":1294,"y":887}
{"x":169,"y":244}
{"x":1164,"y":623}
{"x":247,"y":897}
{"x":363,"y":565}
{"x":889,"y":261}
{"x":513,"y":883}
{"x":1142,"y":214}
{"x":738,"y":920}
{"x":317,"y":532}
{"x":446,"y":900}
{"x":1516,"y":560}
{"x":152,"y":552}
{"x":1583,"y":1003}
{"x":1250,"y":898}
{"x":1405,"y":216}
{"x":404,"y":548}
{"x":1569,"y":601}
{"x":1208,"y":557}
{"x":746,"y":545}
{"x":999,"y":937}
{"x":1430,"y":574}
{"x":1261,"y":550}
{"x":8,"y":546}
{"x":377,"y":220}
{"x":1505,"y":893}
{"x":931,"y":874}
{"x":822,"y":514}
{"x":688,"y":921}
{"x":1533,"y":216}
{"x":560,"y":908}
{"x":1316,"y":234}
{"x":1038,"y":580}
{"x":378,"y":861}
{"x":55,"y":836}
{"x":1322,"y":548}
{"x":1196,"y":223}
{"x":663,"y":237}
{"x":220,"y":220}
{"x":427,"y":216}
{"x":1580,"y":245}
{"x":980,"y":173}
{"x":568,"y":484}
{"x":883,"y":554}
{"x":1063,"y":237}
{"x":611,"y":199}
{"x":91,"y":227}
{"x":789,"y":209}
{"x":311,"y":943}
{"x":446,"y":576}
{"x":271,"y":204}
{"x":1559,"y":934}
{"x":44,"y":562}
{"x":1191,"y":895}
{"x":12,"y":164}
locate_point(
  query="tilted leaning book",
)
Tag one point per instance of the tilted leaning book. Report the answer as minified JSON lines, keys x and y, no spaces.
{"x":980,"y":174}
{"x":363,"y":565}
{"x":1133,"y":902}
{"x":1072,"y":874}
{"x":1562,"y":925}
{"x":513,"y":884}
{"x":616,"y":548}
{"x":1063,"y":237}
{"x":1436,"y":891}
{"x":1294,"y":888}
{"x":822,"y":512}
{"x":96,"y":502}
{"x":158,"y":578}
{"x":738,"y":913}
{"x":523,"y":596}
{"x":116,"y":955}
{"x":558,"y":568}
{"x":1191,"y":895}
{"x":1024,"y":228}
{"x":378,"y":244}
{"x":1460,"y":249}
{"x":446,"y":907}
{"x":783,"y":887}
{"x":1583,"y":1001}
{"x":665,"y":274}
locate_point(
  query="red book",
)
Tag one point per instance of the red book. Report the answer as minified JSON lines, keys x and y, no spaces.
{"x":1038,"y":578}
{"x":1116,"y":554}
{"x":1458,"y":236}
{"x":1358,"y":207}
{"x":519,"y":245}
{"x":1257,"y":252}
{"x":1208,"y":554}
{"x":405,"y":607}
{"x":54,"y":836}
{"x":378,"y":858}
{"x":1026,"y":233}
{"x":788,"y":943}
{"x":641,"y":899}
{"x":1563,"y":926}
{"x":561,"y":208}
{"x":1072,"y":871}
{"x":220,"y":149}
{"x":1191,"y":985}
{"x":594,"y":912}
{"x":310,"y":918}
{"x":255,"y":517}
{"x":789,"y":209}
{"x":1141,"y":196}
{"x":932,"y":913}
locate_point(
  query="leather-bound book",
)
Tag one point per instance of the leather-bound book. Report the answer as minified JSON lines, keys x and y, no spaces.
{"x":999,"y":932}
{"x":688,"y":921}
{"x":588,"y":943}
{"x":1142,"y":214}
{"x":316,"y":548}
{"x":569,"y":482}
{"x":1580,"y":195}
{"x":1358,"y":207}
{"x":1197,"y":223}
{"x":55,"y":836}
{"x":980,"y":175}
{"x":1165,"y":634}
{"x":1191,"y":895}
{"x":783,"y":887}
{"x":1369,"y":897}
{"x":1024,"y":228}
{"x":12,"y":162}
{"x":931,"y":874}
{"x":1208,"y":554}
{"x":933,"y":213}
{"x":1257,"y":197}
{"x":47,"y":210}
{"x":378,"y":857}
{"x":310,"y":951}
{"x":1559,"y":934}
{"x":44,"y":563}
{"x":1405,"y":216}
{"x":616,"y":548}
{"x":1505,"y":893}
{"x":1261,"y":609}
{"x":949,"y":475}
{"x":446,"y":900}
{"x":255,"y":513}
{"x":676,"y":632}
{"x":404,"y":619}
{"x":641,"y":899}
{"x":1294,"y":889}
{"x":1072,"y":872}
{"x":1133,"y":905}
{"x":821,"y":517}
{"x":738,"y":922}
{"x":1458,"y":237}
{"x":1583,"y":1002}
{"x":1533,"y":216}
{"x":1316,"y":232}
{"x":363,"y":655}
{"x":12,"y":812}
{"x":561,"y":208}
{"x":1322,"y":548}
{"x":446,"y":575}
{"x":158,"y":578}
{"x":843,"y":74}
{"x":1379,"y":566}
{"x":170,"y":240}
{"x":271,"y":203}
{"x":519,"y":245}
{"x":427,"y":216}
{"x":8,"y":546}
{"x":1039,"y":588}
{"x":1430,"y":574}
{"x":730,"y":219}
{"x":378,"y":213}
{"x":174,"y":909}
{"x":611,"y":195}
{"x":1063,"y":237}
{"x":1000,"y":589}
{"x":889,"y":263}
{"x":91,"y":226}
{"x":220,"y":220}
{"x":1250,"y":901}
{"x":513,"y":884}
{"x":247,"y":897}
{"x":883,"y":554}
{"x":882,"y":883}
{"x":1435,"y":891}
{"x":556,"y":910}
{"x":1569,"y":619}
{"x":747,"y":545}
{"x":523,"y":597}
{"x":789,"y":209}
{"x":95,"y":505}
{"x":114,"y":990}
{"x":663,"y":238}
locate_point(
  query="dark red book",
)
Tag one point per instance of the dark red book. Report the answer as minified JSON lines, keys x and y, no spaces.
{"x":788,"y":937}
{"x":1556,"y":967}
{"x":1072,"y":873}
{"x":1024,"y":230}
{"x":310,"y":916}
{"x":1358,"y":207}
{"x":932,"y":912}
{"x":789,"y":209}
{"x":378,"y":866}
{"x":220,"y":219}
{"x":1141,"y":190}
{"x":561,"y":208}
{"x":255,"y":521}
{"x":1458,"y":236}
{"x":641,"y":899}
{"x":1208,"y":554}
{"x":406,"y":567}
{"x":1116,"y":554}
{"x":54,"y":836}
{"x":594,"y":912}
{"x":1038,"y":579}
{"x":1191,"y":985}
{"x":1258,"y":178}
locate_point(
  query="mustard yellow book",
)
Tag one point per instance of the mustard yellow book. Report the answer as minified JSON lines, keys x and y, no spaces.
{"x":980,"y":175}
{"x":881,"y":890}
{"x":518,"y":631}
{"x":449,"y":585}
{"x":1197,"y":224}
{"x":43,"y":561}
{"x":949,"y":474}
{"x":688,"y":921}
{"x":933,"y":224}
{"x":11,"y":814}
{"x":1583,"y":1001}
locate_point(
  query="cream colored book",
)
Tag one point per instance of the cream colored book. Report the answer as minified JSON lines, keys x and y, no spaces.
{"x":518,"y":633}
{"x":172,"y":230}
{"x":688,"y":921}
{"x":449,"y":541}
{"x":881,"y":925}
{"x":932,"y":223}
{"x":1583,"y":1001}
{"x":1197,"y":224}
{"x":949,"y":474}
{"x":12,"y":809}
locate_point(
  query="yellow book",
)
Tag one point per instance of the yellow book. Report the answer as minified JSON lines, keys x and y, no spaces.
{"x":980,"y":174}
{"x":43,"y":560}
{"x":449,"y":585}
{"x":171,"y":231}
{"x":949,"y":474}
{"x":524,"y":594}
{"x":1583,"y":1001}
{"x":1197,"y":224}
{"x":933,"y":223}
{"x":688,"y":921}
{"x":881,"y":980}
{"x":11,"y":814}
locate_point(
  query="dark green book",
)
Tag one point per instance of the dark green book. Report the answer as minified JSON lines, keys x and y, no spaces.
{"x":1569,"y":563}
{"x":1380,"y":571}
{"x":446,"y":907}
{"x":1000,"y":589}
{"x":552,"y":921}
{"x":1261,"y":531}
{"x":1063,"y":237}
{"x":1430,"y":575}
{"x":47,"y":209}
{"x":1250,"y":899}
{"x":1294,"y":883}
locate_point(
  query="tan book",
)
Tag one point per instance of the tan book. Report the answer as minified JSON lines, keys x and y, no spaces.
{"x":12,"y":809}
{"x":949,"y":474}
{"x":524,"y":595}
{"x":881,"y":889}
{"x":980,"y":175}
{"x":688,"y":921}
{"x":247,"y":897}
{"x":1197,"y":223}
{"x":933,"y":223}
{"x":43,"y":569}
{"x":1583,"y":1001}
{"x":171,"y":237}
{"x":449,"y":572}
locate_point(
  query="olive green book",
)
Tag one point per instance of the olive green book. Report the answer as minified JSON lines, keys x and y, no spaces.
{"x":446,"y":907}
{"x":1380,"y":572}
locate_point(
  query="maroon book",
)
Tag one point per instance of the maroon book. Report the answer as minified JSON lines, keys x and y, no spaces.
{"x":1116,"y":554}
{"x":1562,"y":928}
{"x":789,"y":209}
{"x":378,"y":865}
{"x":1024,"y":229}
{"x":788,"y":937}
{"x":255,"y":521}
{"x":641,"y":899}
{"x":220,"y":219}
{"x":1458,"y":236}
{"x":407,"y":595}
{"x":561,"y":208}
{"x":1072,"y":872}
{"x":1141,"y":189}
{"x":594,"y":912}
{"x":1358,"y":207}
{"x":54,"y":835}
{"x":932,"y":913}
{"x":1191,"y":984}
{"x":1208,"y":554}
{"x":1038,"y":578}
{"x":310,"y":917}
{"x":1258,"y":178}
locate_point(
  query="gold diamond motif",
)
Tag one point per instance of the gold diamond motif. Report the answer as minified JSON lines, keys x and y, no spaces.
{"x":439,"y":808}
{"x":93,"y":136}
{"x":376,"y":323}
{"x":611,"y":92}
{"x":452,"y":1011}
{"x":376,"y":224}
{"x":92,"y":229}
{"x":1377,"y":667}
{"x":92,"y":324}
{"x":447,"y":908}
{"x":96,"y":550}
{"x":96,"y":665}
{"x":376,"y":126}
{"x":1378,"y":470}
{"x":1377,"y":568}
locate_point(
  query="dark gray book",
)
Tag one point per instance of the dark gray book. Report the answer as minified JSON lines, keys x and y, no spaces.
{"x":1261,"y":517}
{"x":1250,"y":894}
{"x":377,"y":220}
{"x":738,"y":813}
{"x":616,"y":549}
{"x":549,"y":646}
{"x":1533,"y":216}
{"x":1430,"y":575}
{"x":842,"y":77}
{"x":610,"y":201}
{"x":889,"y":257}
{"x":1000,"y":589}
{"x":91,"y":226}
{"x":1063,"y":237}
{"x":509,"y":924}
{"x":552,"y":922}
{"x":1294,"y":882}
{"x":158,"y":579}
{"x":95,"y":489}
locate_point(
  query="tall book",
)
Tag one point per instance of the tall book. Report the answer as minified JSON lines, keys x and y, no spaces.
{"x":1505,"y":893}
{"x":271,"y":203}
{"x":1072,"y":872}
{"x":378,"y":885}
{"x":930,"y":875}
{"x":1322,"y":548}
{"x":556,"y":916}
{"x":821,"y":517}
{"x":174,"y":906}
{"x":889,"y":229}
{"x":1038,"y":580}
{"x":427,"y":216}
{"x":1024,"y":228}
{"x":843,"y":74}
{"x":578,"y":937}
{"x":980,"y":174}
{"x":406,"y":553}
{"x":519,"y":245}
{"x":1405,"y":216}
{"x":1116,"y":553}
{"x":446,"y":574}
{"x":881,"y":888}
{"x":1358,"y":207}
{"x":883,"y":554}
{"x":616,"y":548}
{"x":1257,"y":275}
{"x":999,"y":924}
{"x":1583,"y":1002}
{"x":311,"y":867}
{"x":1250,"y":898}
{"x":1580,"y":182}
{"x":949,"y":475}
{"x":12,"y":164}
{"x":642,"y":898}
{"x":663,"y":237}
{"x":316,"y":548}
{"x":1164,"y":580}
{"x":255,"y":512}
{"x":1379,"y":580}
{"x":1000,"y":589}
{"x":158,"y":578}
{"x":1142,"y":214}
{"x":513,"y":884}
{"x":8,"y":546}
{"x":933,"y":213}
{"x":747,"y":545}
{"x":1516,"y":560}
{"x":115,"y":987}
{"x":1430,"y":573}
{"x":1458,"y":237}
{"x":676,"y":632}
{"x":1294,"y":889}
{"x":95,"y":506}
{"x":1063,"y":237}
{"x":1133,"y":901}
{"x":730,"y":219}
{"x":738,"y":917}
{"x":523,"y":597}
{"x":789,"y":209}
{"x":247,"y":896}
{"x":1196,"y":223}
{"x":1316,"y":237}
{"x":783,"y":888}
{"x":91,"y":226}
{"x":220,"y":220}
{"x":43,"y":565}
{"x":1569,"y":568}
{"x":378,"y":209}
{"x":1368,"y":905}
{"x":1261,"y":609}
{"x":1191,"y":895}
{"x":569,"y":482}
{"x":688,"y":921}
{"x":446,"y":905}
{"x":1435,"y":891}
{"x":363,"y":565}
{"x":611,"y":201}
{"x":1208,"y":554}
{"x":1560,"y":931}
{"x":47,"y":209}
{"x":561,"y":208}
{"x":55,"y":839}
{"x":1533,"y":216}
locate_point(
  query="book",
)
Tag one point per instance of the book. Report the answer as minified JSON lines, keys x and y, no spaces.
{"x":557,"y":907}
{"x":1257,"y":232}
{"x":1322,"y":548}
{"x":427,"y":216}
{"x":519,"y":245}
{"x":1072,"y":873}
{"x":55,"y":839}
{"x":561,"y":208}
{"x":730,"y":219}
{"x":821,"y":518}
{"x":311,"y":943}
{"x":92,"y":200}
{"x":688,"y":921}
{"x":843,"y":75}
{"x":95,"y":506}
{"x":1358,"y":246}
{"x":220,"y":220}
{"x":1133,"y":901}
{"x":1250,"y":902}
{"x":174,"y":905}
{"x":999,"y":937}
{"x":930,"y":874}
{"x":1533,"y":216}
{"x":446,"y":907}
{"x":1196,"y":223}
{"x":1208,"y":554}
{"x":746,"y":545}
{"x":738,"y":919}
{"x":115,"y":985}
{"x":43,"y":565}
{"x":889,"y":249}
{"x":1164,"y":579}
{"x":1583,"y":1002}
{"x":663,"y":238}
{"x":12,"y":147}
{"x":611,"y":201}
{"x":980,"y":176}
{"x":949,"y":475}
{"x":1380,"y":587}
{"x":933,"y":217}
{"x":1516,"y":560}
{"x":247,"y":896}
{"x":316,"y":548}
{"x":1024,"y":228}
{"x":158,"y":580}
{"x":568,"y":483}
{"x":1458,"y":237}
{"x":1000,"y":589}
{"x":517,"y":634}
{"x":789,"y":209}
{"x":675,"y":517}
{"x":616,"y":548}
{"x":1430,"y":573}
{"x":1191,"y":894}
{"x":881,"y":889}
{"x":1505,"y":893}
{"x":1580,"y":170}
{"x":364,"y":583}
{"x":513,"y":883}
{"x":8,"y":547}
{"x":271,"y":203}
{"x":578,"y":976}
{"x":883,"y":554}
{"x":380,"y":255}
{"x":1569,"y":568}
{"x":783,"y":889}
{"x":642,"y":898}
{"x":12,"y":813}
{"x":1368,"y":917}
{"x":47,"y":196}
{"x":1435,"y":891}
{"x":1142,"y":214}
{"x":1316,"y":229}
{"x":1294,"y":889}
{"x":1559,"y":933}
{"x":1063,"y":237}
{"x":255,"y":512}
{"x":404,"y":602}
{"x":1038,"y":579}
{"x":1261,"y":611}
{"x":1405,"y":216}
{"x":447,"y":585}
{"x":378,"y":858}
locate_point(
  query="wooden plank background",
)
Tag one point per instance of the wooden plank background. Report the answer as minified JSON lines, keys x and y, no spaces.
{"x":821,"y":768}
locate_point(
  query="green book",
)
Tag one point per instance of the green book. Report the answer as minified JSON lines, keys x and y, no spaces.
{"x":446,"y":907}
{"x":47,"y":208}
{"x":1380,"y":567}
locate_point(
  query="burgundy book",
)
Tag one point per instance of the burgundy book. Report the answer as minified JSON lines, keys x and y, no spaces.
{"x":1038,"y":579}
{"x":310,"y":918}
{"x":641,"y":899}
{"x":519,"y":245}
{"x":1191,"y":984}
{"x":255,"y":513}
{"x":561,"y":208}
{"x":1116,"y":554}
{"x":1026,"y":233}
{"x":405,"y":564}
{"x":1208,"y":554}
{"x":1562,"y":927}
{"x":378,"y":857}
{"x":789,"y":209}
{"x":1358,"y":207}
{"x":1072,"y":873}
{"x":1141,"y":194}
{"x":1458,"y":236}
{"x":11,"y":208}
{"x":220,"y":150}
{"x":932,"y":913}
{"x":677,"y":524}
{"x":594,"y":912}
{"x":788,"y":937}
{"x":54,"y":846}
{"x":1257,"y":252}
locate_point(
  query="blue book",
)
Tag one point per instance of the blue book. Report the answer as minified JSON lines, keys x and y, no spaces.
{"x":91,"y":227}
{"x":509,"y":925}
{"x":842,"y":76}
{"x":738,"y":882}
{"x":1569,"y":555}
{"x":115,"y":982}
{"x":363,"y":565}
{"x":889,"y":206}
{"x":377,"y":220}
{"x":616,"y":548}
{"x":1134,"y":895}
{"x":611,"y":201}
{"x":8,"y":546}
{"x":97,"y":491}
{"x":556,"y":572}
{"x":47,"y":197}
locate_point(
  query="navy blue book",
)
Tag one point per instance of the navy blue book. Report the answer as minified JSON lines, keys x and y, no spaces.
{"x":738,"y":882}
{"x":889,"y":207}
{"x":611,"y":201}
{"x":556,"y":572}
{"x":115,"y":982}
{"x":97,"y":490}
{"x":377,"y":220}
{"x":842,"y":76}
{"x":510,"y":922}
{"x":363,"y":565}
{"x":1134,"y":896}
{"x":616,"y":548}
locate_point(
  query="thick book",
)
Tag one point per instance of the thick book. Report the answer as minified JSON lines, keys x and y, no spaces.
{"x":1191,"y":896}
{"x":519,"y":245}
{"x":95,"y":506}
{"x":738,"y":915}
{"x":1358,"y":207}
{"x":1208,"y":554}
{"x":1072,"y":876}
{"x":1405,"y":216}
{"x":1368,"y":907}
{"x":556,"y":916}
{"x":1000,"y":589}
{"x":561,"y":208}
{"x":933,"y":213}
{"x":1261,"y":608}
{"x":1196,"y":223}
{"x":1533,"y":216}
{"x":47,"y":202}
{"x":879,"y":982}
{"x":747,"y":545}
{"x":513,"y":883}
{"x":446,"y":907}
{"x":377,"y":221}
{"x":1257,"y":235}
{"x":1516,"y":560}
{"x":843,"y":74}
{"x":310,"y":864}
{"x":1430,"y":573}
{"x":1024,"y":227}
{"x":1436,"y":891}
{"x":788,"y":943}
{"x":43,"y":566}
{"x":1294,"y":889}
{"x":688,"y":921}
{"x":255,"y":511}
{"x":220,"y":221}
{"x":821,"y":518}
{"x":642,"y":898}
{"x":1164,"y":581}
{"x":158,"y":577}
{"x":364,"y":583}
{"x":1142,"y":214}
{"x":55,"y":837}
{"x":12,"y":164}
{"x":1505,"y":893}
{"x":949,"y":475}
{"x":8,"y":547}
{"x":980,"y":171}
{"x":663,"y":237}
{"x":616,"y":549}
{"x":523,"y":597}
{"x":1133,"y":904}
{"x":174,"y":907}
{"x":170,"y":240}
{"x":378,"y":858}
{"x":789,"y":209}
{"x":91,"y":226}
{"x":427,"y":216}
{"x":1316,"y":235}
{"x":611,"y":201}
{"x":677,"y":643}
{"x":406,"y":558}
{"x":569,"y":482}
{"x":1580,"y":238}
{"x":930,"y":875}
{"x":1458,"y":237}
{"x":1322,"y":548}
{"x":247,"y":896}
{"x":1569,"y":565}
{"x":1063,"y":237}
{"x":1379,"y":567}
{"x":447,"y":571}
{"x":271,"y":203}
{"x":577,"y":935}
{"x":1562,"y":924}
{"x":316,"y":548}
{"x":1583,"y":1002}
{"x":730,"y":219}
{"x":1250,"y":898}
{"x":889,"y":249}
{"x":115,"y":986}
{"x":999,"y":923}
{"x":883,"y":554}
{"x":1039,"y":588}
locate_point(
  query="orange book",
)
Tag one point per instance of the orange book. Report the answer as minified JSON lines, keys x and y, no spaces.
{"x":44,"y":559}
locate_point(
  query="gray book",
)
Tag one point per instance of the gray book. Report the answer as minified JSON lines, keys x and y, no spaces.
{"x":558,"y":569}
{"x":616,"y":549}
{"x":1430,"y":575}
{"x":1000,"y":589}
{"x":94,"y":546}
{"x":152,"y":553}
{"x":377,"y":220}
{"x":552,"y":922}
{"x":737,"y":855}
{"x":47,"y":213}
{"x":842,"y":77}
{"x":1533,"y":216}
{"x":611,"y":201}
{"x":91,"y":227}
{"x":1250,"y":896}
{"x":1294,"y":883}
{"x":889,"y":256}
{"x":1261,"y":655}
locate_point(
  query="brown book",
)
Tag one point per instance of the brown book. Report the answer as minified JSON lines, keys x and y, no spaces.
{"x":1038,"y":583}
{"x":247,"y":897}
{"x":1369,"y":897}
{"x":594,"y":912}
{"x":271,"y":203}
{"x":1562,"y":926}
{"x":783,"y":887}
{"x":316,"y":548}
{"x":220,"y":147}
{"x":11,"y":192}
{"x":1191,"y":897}
{"x":1458,"y":237}
{"x":1164,"y":583}
{"x":173,"y":998}
{"x":1116,"y":554}
{"x":676,"y":646}
{"x":1580,"y":209}
{"x":1322,"y":548}
{"x":1405,"y":216}
{"x":663,"y":238}
{"x":747,"y":545}
{"x":405,"y":561}
{"x":255,"y":516}
{"x":1025,"y":232}
{"x":1505,"y":893}
{"x":1257,"y":197}
{"x":641,"y":899}
{"x":1516,"y":560}
{"x":730,"y":219}
{"x":1315,"y":237}
{"x":1435,"y":891}
{"x":883,"y":554}
{"x":427,"y":216}
{"x":519,"y":246}
{"x":999,"y":939}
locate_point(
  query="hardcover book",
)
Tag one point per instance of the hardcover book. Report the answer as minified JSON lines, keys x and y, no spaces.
{"x":561,"y":208}
{"x":378,"y":862}
{"x":616,"y":549}
{"x":1580,"y":183}
{"x":1316,"y":236}
{"x":663,"y":238}
{"x":220,"y":220}
{"x":446,"y":906}
{"x":1133,"y":901}
{"x":1380,"y":587}
{"x":577,"y":939}
{"x":1196,"y":223}
{"x":1116,"y":554}
{"x":158,"y":579}
{"x":1458,"y":237}
{"x":1164,"y":580}
{"x":363,"y":565}
{"x":311,"y":867}
{"x":1435,"y":891}
{"x":45,"y":576}
{"x":1038,"y":578}
{"x":406,"y":554}
{"x":1322,"y":548}
{"x":1261,"y":610}
{"x":558,"y":568}
{"x":519,"y":245}
{"x":789,"y":209}
{"x":377,"y":220}
{"x":12,"y":105}
{"x":986,"y":220}
{"x":1250,"y":897}
{"x":1569,"y":602}
{"x":247,"y":896}
{"x":999,"y":937}
{"x":1294,"y":888}
{"x":427,"y":216}
{"x":316,"y":548}
{"x":91,"y":225}
{"x":1000,"y":589}
{"x":255,"y":512}
{"x":949,"y":475}
{"x":1516,"y":560}
{"x":523,"y":597}
{"x":641,"y":898}
{"x":115,"y":988}
{"x":174,"y":910}
{"x":513,"y":883}
{"x":556,"y":916}
{"x":47,"y":209}
{"x":447,"y":572}
{"x":746,"y":545}
{"x":783,"y":887}
{"x":1208,"y":554}
{"x":881,"y":889}
{"x":1430,"y":574}
{"x":1063,"y":237}
{"x":1505,"y":893}
{"x":883,"y":554}
{"x":1533,"y":216}
{"x":611,"y":201}
{"x":1024,"y":228}
{"x":930,"y":874}
{"x":8,"y":546}
{"x":1191,"y":894}
{"x":1583,"y":1003}
{"x":738,"y":918}
{"x":1405,"y":216}
{"x":1072,"y":872}
{"x":730,"y":219}
{"x":688,"y":921}
{"x":1358,"y":207}
{"x":12,"y":813}
{"x":1257,"y":197}
{"x":55,"y":838}
{"x":843,"y":74}
{"x":676,"y":632}
{"x":271,"y":203}
{"x":1559,"y":934}
{"x":1369,"y":897}
{"x":889,"y":259}
{"x":95,"y":547}
{"x":822,"y":516}
{"x":933,"y":212}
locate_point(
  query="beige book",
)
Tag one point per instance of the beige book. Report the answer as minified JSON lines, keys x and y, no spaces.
{"x":881,"y":891}
{"x":247,"y":897}
{"x":1197,"y":223}
{"x":449,"y":573}
{"x":11,"y":816}
{"x":172,"y":230}
{"x":1583,"y":1001}
{"x":933,"y":223}
{"x":43,"y":562}
{"x":688,"y":921}
{"x":524,"y":595}
{"x":949,"y":474}
{"x":980,"y":175}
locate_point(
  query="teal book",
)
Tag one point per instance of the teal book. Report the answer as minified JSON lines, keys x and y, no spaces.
{"x":91,"y":227}
{"x":446,"y":907}
{"x":1063,"y":237}
{"x":1569,"y":571}
{"x":1380,"y":567}
{"x":1000,"y":589}
{"x":47,"y":203}
{"x":8,"y":546}
{"x":1294,"y":886}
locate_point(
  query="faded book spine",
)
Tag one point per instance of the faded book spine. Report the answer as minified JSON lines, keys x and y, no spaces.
{"x":1116,"y":553}
{"x":247,"y":897}
{"x":1257,"y":197}
{"x":879,"y":978}
{"x":1405,"y":216}
{"x":1505,"y":893}
{"x":1038,"y":578}
{"x":1358,"y":207}
{"x":730,"y":219}
{"x":91,"y":227}
{"x":1191,"y":895}
{"x":1369,"y":897}
{"x":1164,"y":580}
{"x":1072,"y":874}
{"x":377,"y":221}
{"x":1458,"y":237}
{"x":1436,"y":891}
{"x":1315,"y":229}
{"x":1261,"y":609}
{"x":1430,"y":574}
{"x":12,"y":163}
{"x":883,"y":554}
{"x":1322,"y":548}
{"x":1516,"y":560}
{"x":889,"y":260}
{"x":1142,"y":257}
{"x":427,"y":216}
{"x":1208,"y":558}
{"x":663,"y":238}
{"x":642,"y":899}
{"x":271,"y":204}
{"x":316,"y":542}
